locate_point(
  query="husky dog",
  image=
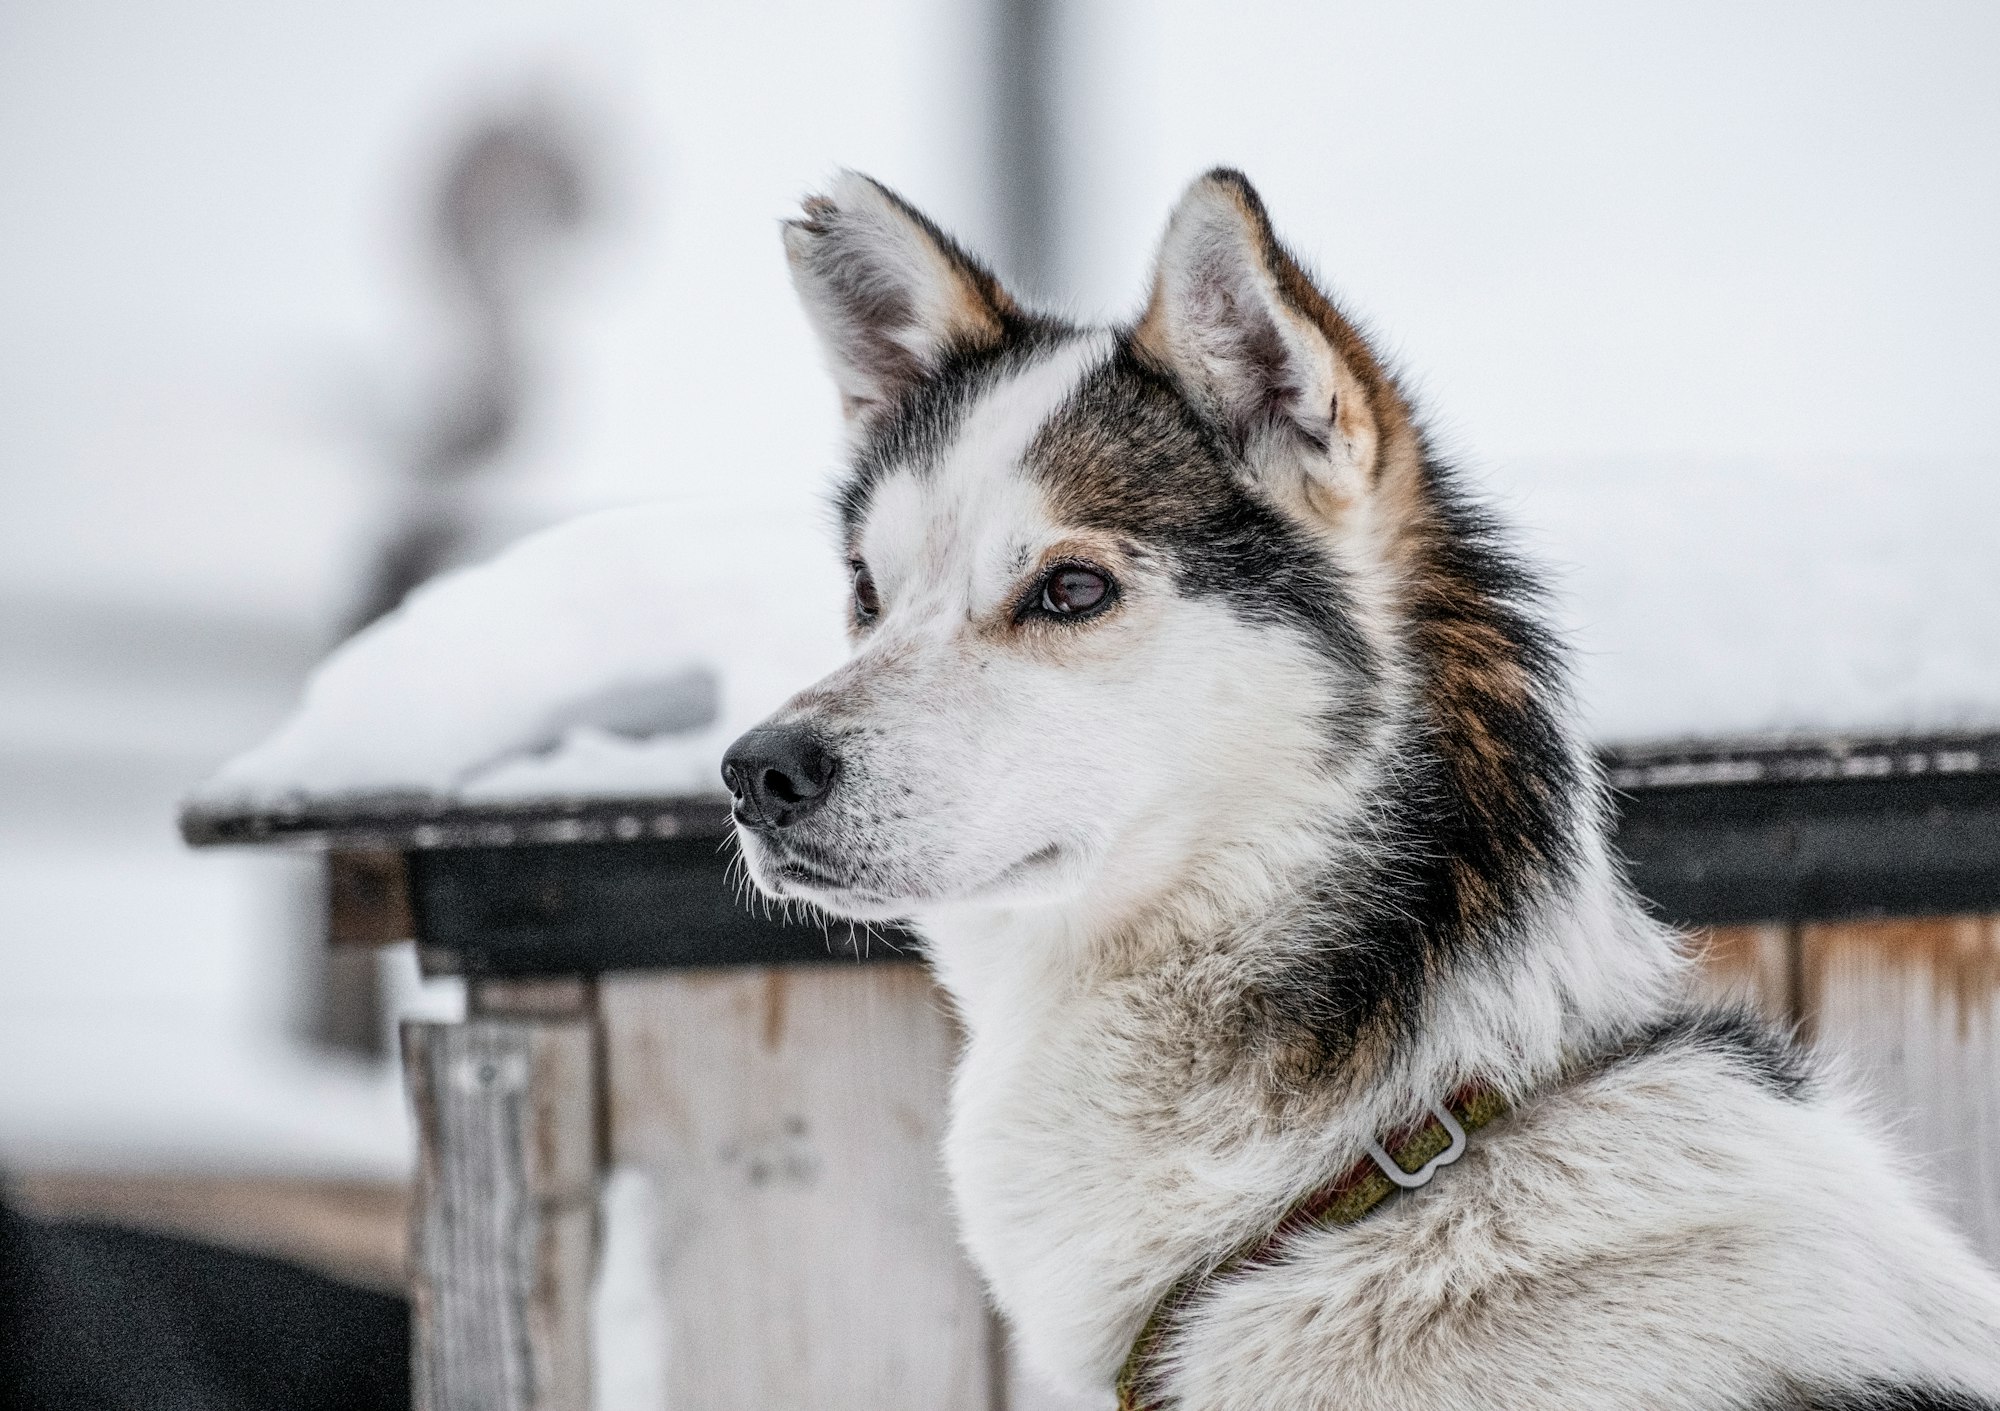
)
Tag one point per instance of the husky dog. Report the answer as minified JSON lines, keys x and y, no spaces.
{"x":1212,"y":741}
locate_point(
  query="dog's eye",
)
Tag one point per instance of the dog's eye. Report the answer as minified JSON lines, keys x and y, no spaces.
{"x":1071,"y":591}
{"x":867,"y":602}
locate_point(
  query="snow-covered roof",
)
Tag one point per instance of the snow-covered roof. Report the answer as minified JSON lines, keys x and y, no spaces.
{"x":617,"y":655}
{"x":1728,"y":598}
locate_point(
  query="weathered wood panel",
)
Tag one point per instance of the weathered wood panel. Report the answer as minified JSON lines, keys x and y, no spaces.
{"x":504,"y":1218}
{"x":368,"y":898}
{"x":1912,"y":1008}
{"x":1753,"y":964}
{"x":790,"y":1119}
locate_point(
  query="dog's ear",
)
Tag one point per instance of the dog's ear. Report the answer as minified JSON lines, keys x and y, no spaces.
{"x":1250,"y":339}
{"x":890,"y":295}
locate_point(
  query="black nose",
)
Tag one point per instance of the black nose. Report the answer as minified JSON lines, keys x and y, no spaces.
{"x":778,"y":774}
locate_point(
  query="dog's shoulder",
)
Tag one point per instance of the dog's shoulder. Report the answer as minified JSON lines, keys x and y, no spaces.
{"x":1699,"y":1217}
{"x":1730,"y":1038}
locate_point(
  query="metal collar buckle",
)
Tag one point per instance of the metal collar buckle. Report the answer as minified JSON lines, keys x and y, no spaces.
{"x":1410,"y":1180}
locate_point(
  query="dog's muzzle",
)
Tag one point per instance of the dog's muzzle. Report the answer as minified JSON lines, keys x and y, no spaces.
{"x":777,"y":775}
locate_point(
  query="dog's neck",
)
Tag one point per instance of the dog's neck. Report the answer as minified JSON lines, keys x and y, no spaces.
{"x":1125,"y":1109}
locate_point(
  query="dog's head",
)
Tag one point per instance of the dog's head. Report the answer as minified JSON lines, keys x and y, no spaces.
{"x":1118,"y":596}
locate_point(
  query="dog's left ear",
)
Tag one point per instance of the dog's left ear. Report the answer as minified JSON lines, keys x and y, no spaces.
{"x":890,"y":295}
{"x":1250,"y":339}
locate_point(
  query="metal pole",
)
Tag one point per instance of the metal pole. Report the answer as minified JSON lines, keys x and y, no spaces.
{"x":1024,"y":142}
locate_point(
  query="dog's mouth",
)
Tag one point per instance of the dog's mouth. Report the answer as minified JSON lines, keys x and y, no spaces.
{"x":788,"y":870}
{"x":801,"y":873}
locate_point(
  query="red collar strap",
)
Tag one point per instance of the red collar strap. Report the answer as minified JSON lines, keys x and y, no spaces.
{"x":1403,"y":1160}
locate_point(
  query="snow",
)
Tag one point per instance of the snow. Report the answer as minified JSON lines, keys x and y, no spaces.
{"x":1756,"y":597}
{"x":617,"y":654}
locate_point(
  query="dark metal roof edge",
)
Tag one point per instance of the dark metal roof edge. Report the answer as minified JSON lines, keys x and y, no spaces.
{"x":403,"y":823}
{"x":420,"y":822}
{"x":1823,"y":759}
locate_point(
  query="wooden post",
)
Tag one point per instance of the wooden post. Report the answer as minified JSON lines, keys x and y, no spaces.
{"x":504,"y":1221}
{"x":1756,"y":965}
{"x":1909,"y":1011}
{"x":1911,"y":1008}
{"x":368,"y":897}
{"x":789,"y":1119}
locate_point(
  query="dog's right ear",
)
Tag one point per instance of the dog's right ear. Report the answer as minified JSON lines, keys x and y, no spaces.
{"x":890,"y":295}
{"x":1240,"y":325}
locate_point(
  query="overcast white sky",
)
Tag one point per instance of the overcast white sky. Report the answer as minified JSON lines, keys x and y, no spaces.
{"x":1707,"y":228}
{"x":1593,"y":232}
{"x":209,"y":261}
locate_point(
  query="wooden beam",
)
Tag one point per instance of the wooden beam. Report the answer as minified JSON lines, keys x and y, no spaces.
{"x":1817,"y":850}
{"x":545,"y":997}
{"x":584,"y":908}
{"x":504,"y":1219}
{"x":1723,"y":834}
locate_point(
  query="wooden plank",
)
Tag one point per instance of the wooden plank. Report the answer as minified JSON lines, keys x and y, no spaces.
{"x":1696,"y":764}
{"x":1722,"y":854}
{"x":368,"y":898}
{"x":570,"y":908}
{"x":1757,"y":965}
{"x":399,"y":822}
{"x":1912,"y":1007}
{"x":790,"y":1120}
{"x":1724,"y":832}
{"x":505,"y":1213}
{"x":550,"y":997}
{"x":1922,"y":844}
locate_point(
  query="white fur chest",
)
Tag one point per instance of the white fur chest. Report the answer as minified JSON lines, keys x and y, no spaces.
{"x":1086,"y":1180}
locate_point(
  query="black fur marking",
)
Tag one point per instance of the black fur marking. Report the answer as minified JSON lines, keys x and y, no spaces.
{"x":926,"y":418}
{"x":1457,"y":860}
{"x":1470,"y":833}
{"x":1129,"y":455}
{"x":1508,"y":803}
{"x":1763,"y":1054}
{"x":1876,"y":1396}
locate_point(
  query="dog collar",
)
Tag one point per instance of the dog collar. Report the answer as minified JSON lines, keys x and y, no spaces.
{"x":1403,"y":1160}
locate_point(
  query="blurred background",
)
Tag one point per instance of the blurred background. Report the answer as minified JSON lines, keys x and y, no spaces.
{"x":300,"y":304}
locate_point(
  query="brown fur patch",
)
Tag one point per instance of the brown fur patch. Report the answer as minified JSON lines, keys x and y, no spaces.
{"x":1468,"y":646}
{"x":1487,"y":793}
